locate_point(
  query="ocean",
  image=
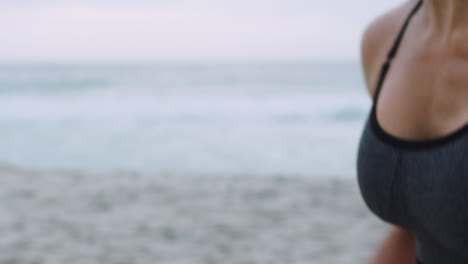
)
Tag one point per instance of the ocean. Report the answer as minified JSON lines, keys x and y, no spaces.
{"x":216,"y":118}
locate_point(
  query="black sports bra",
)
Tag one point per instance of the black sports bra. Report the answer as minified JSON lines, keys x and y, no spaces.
{"x":420,"y":185}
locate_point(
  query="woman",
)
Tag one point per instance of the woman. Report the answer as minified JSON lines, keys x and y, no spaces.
{"x":412,"y":161}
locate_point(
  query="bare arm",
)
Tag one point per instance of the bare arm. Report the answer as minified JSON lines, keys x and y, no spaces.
{"x":399,"y":246}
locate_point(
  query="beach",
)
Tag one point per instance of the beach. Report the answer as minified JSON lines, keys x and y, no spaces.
{"x":183,"y":164}
{"x":183,"y":132}
{"x":60,"y":216}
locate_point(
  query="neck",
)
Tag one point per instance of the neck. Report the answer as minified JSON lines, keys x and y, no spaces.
{"x":446,"y":18}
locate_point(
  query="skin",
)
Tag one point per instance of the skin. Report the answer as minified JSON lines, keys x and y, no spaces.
{"x":398,"y":247}
{"x":425,"y":93}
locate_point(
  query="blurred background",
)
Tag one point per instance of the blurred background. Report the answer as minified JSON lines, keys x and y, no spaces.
{"x":183,"y":131}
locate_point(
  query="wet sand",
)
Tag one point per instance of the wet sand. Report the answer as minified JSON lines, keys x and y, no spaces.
{"x":74,"y":217}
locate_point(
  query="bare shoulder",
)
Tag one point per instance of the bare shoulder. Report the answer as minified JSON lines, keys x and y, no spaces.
{"x":377,"y":39}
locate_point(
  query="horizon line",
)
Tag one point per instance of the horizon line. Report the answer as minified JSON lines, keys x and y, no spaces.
{"x":185,"y":61}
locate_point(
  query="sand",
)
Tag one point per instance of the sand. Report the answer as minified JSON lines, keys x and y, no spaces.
{"x":70,"y":217}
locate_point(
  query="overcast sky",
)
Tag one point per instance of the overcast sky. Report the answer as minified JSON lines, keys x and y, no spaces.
{"x":148,"y":30}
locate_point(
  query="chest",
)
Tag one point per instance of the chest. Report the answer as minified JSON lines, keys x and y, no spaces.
{"x":423,"y":99}
{"x":424,"y":189}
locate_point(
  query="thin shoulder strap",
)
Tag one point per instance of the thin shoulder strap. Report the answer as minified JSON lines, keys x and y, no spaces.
{"x":391,"y":54}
